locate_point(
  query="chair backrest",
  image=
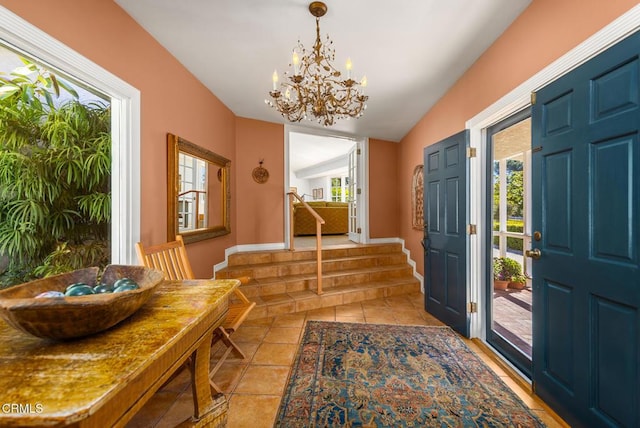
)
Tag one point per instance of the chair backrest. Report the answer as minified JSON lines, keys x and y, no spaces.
{"x":170,"y":258}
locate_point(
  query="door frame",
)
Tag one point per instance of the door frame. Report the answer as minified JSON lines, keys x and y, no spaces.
{"x":363,"y":172}
{"x":518,"y":99}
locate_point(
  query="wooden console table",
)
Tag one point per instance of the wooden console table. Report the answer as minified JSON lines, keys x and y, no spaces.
{"x":104,"y":379}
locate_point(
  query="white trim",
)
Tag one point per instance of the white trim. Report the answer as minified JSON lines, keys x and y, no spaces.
{"x":246,"y":248}
{"x":364,"y":201}
{"x":282,"y":246}
{"x":406,"y":251}
{"x":509,"y":104}
{"x":125,"y":125}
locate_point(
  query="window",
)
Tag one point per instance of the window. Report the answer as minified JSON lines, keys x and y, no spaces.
{"x":339,"y":189}
{"x":125,"y":125}
{"x":55,"y":203}
{"x":192,"y":196}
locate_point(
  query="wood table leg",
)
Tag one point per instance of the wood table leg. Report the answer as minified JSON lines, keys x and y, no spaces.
{"x":207,"y":411}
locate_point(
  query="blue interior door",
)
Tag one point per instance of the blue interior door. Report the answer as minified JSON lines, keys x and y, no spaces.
{"x":445,"y":212}
{"x":586,"y":202}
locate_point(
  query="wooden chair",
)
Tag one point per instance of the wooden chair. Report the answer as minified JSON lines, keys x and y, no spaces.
{"x":171,"y":258}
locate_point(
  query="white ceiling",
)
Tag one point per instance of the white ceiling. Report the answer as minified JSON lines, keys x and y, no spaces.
{"x":411,"y":51}
{"x":306,"y":151}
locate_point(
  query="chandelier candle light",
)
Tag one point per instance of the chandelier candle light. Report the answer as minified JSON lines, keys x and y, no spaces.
{"x":316,"y":90}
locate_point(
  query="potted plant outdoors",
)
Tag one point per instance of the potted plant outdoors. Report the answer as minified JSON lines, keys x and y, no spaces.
{"x":500,"y":276}
{"x":518,"y":282}
{"x":513,"y":271}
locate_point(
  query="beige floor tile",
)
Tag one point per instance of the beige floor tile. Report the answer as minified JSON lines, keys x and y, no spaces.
{"x":378,"y":311}
{"x":228,"y":376}
{"x":247,"y":348}
{"x":291,"y":320}
{"x":399,"y":302}
{"x":252,"y":411}
{"x":180,"y":411}
{"x":409,"y":319}
{"x":258,"y":322}
{"x":375,"y":303}
{"x":350,"y":310}
{"x":277,"y":354}
{"x":153,"y":410}
{"x":283,"y":335}
{"x":359,"y":319}
{"x":250,"y":334}
{"x":323,"y":314}
{"x":381,"y":320}
{"x":265,"y":380}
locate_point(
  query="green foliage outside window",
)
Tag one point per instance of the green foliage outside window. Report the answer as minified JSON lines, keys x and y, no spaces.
{"x":512,"y":226}
{"x":55,"y":169}
{"x":515,"y":190}
{"x":336,"y":189}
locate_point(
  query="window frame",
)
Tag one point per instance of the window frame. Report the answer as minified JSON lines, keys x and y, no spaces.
{"x":125,"y":124}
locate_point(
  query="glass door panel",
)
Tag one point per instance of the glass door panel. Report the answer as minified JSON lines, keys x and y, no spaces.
{"x":510,"y":305}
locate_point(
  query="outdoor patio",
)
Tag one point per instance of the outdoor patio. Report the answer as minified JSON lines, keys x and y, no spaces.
{"x":512,"y":317}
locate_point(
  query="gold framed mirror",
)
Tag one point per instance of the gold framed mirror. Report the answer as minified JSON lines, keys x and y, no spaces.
{"x":198,"y":191}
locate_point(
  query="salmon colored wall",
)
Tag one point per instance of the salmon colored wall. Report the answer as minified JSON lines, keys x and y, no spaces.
{"x":260,"y":207}
{"x":546,"y":30}
{"x":172,"y":100}
{"x":383,"y":189}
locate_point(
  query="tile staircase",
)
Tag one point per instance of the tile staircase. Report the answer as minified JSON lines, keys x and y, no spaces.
{"x":283,"y":281}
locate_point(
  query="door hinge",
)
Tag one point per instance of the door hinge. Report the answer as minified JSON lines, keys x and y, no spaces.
{"x":471,"y":152}
{"x":473,"y":307}
{"x":359,"y":191}
{"x":533,"y":98}
{"x":472,"y":229}
{"x":357,"y":151}
{"x":359,"y":230}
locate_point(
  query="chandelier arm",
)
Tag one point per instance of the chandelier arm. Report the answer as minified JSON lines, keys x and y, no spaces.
{"x":316,"y":89}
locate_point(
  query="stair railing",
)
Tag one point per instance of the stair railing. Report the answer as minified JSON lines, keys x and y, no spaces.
{"x":319,"y":222}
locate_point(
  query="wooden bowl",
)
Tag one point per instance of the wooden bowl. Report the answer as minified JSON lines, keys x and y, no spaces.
{"x":71,"y":317}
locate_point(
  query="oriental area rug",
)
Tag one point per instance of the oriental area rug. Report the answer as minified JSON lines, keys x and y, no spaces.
{"x":371,"y":375}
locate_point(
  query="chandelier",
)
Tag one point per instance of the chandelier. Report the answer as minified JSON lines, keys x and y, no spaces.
{"x":316,"y":89}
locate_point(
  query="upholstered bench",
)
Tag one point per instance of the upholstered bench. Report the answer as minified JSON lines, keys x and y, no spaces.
{"x":335,"y":215}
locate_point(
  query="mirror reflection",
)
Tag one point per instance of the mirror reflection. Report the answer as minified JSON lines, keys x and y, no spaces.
{"x":198,"y":199}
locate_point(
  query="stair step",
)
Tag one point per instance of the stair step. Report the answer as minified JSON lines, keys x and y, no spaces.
{"x":294,"y":283}
{"x":302,"y":267}
{"x":282,"y":281}
{"x":277,"y":256}
{"x":299,"y":301}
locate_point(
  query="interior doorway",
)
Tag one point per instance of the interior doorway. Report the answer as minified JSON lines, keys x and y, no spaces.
{"x":329,"y":167}
{"x":509,"y":311}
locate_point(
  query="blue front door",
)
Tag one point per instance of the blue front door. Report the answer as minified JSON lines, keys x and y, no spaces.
{"x":445,"y":216}
{"x":586,"y":204}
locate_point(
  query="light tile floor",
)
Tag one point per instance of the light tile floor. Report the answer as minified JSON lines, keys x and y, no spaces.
{"x":255,"y":385}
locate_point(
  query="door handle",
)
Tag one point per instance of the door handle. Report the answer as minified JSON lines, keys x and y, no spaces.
{"x":425,"y":237}
{"x":534,"y":253}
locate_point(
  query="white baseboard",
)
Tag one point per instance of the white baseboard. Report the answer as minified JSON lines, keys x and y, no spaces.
{"x":246,"y":248}
{"x":281,"y":246}
{"x":411,"y":262}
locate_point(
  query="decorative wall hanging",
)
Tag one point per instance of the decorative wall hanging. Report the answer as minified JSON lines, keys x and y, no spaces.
{"x":417,"y":198}
{"x":260,"y":174}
